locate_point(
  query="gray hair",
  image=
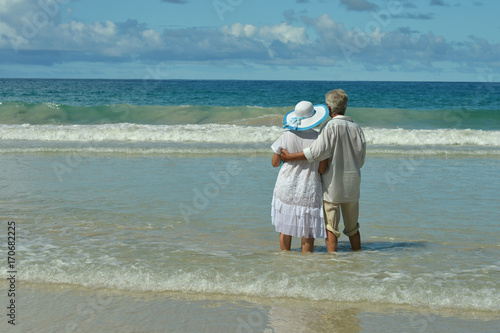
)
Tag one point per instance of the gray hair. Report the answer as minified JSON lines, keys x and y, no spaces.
{"x":337,"y":100}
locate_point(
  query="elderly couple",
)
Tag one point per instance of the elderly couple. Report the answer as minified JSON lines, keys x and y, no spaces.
{"x":321,"y":176}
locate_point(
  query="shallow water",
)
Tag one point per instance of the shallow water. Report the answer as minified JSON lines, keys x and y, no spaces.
{"x":126,"y":222}
{"x":184,"y":224}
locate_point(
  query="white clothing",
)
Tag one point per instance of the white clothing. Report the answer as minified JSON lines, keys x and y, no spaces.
{"x":344,"y":141}
{"x":297,"y":205}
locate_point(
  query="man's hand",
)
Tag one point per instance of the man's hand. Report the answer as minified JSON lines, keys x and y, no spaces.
{"x":285,"y":155}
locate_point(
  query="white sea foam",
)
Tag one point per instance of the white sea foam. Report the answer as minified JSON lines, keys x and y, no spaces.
{"x":439,"y":137}
{"x":234,"y":134}
{"x":141,"y":133}
{"x":395,"y":288}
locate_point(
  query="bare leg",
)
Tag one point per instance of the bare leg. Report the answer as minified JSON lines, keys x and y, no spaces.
{"x":307,"y":244}
{"x":331,"y":241}
{"x":355,"y":241}
{"x":285,"y":242}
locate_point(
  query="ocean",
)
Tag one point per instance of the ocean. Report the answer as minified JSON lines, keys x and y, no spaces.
{"x":144,"y":206}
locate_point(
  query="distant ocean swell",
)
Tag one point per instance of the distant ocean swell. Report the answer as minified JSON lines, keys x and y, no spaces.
{"x":17,"y":113}
{"x":196,"y":129}
{"x":52,"y":113}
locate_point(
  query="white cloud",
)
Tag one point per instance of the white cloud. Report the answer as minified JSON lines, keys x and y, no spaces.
{"x":285,"y":33}
{"x":329,"y":30}
{"x":6,"y":6}
{"x":240,"y":30}
{"x":7,"y":33}
{"x":239,"y":43}
{"x":152,"y":38}
{"x":102,"y":33}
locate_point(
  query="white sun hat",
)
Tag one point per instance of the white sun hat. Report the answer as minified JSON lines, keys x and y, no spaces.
{"x":305,"y":116}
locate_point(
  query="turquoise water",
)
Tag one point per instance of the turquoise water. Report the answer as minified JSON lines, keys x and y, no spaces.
{"x":202,"y":225}
{"x":377,"y":104}
{"x":385,"y":95}
{"x":146,"y":207}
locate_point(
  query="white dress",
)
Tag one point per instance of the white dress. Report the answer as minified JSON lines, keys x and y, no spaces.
{"x":297,"y":206}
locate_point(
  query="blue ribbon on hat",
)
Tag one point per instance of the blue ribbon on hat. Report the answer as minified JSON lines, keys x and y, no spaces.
{"x":294,"y":122}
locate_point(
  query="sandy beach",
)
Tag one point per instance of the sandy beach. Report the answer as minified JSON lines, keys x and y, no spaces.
{"x":65,"y":308}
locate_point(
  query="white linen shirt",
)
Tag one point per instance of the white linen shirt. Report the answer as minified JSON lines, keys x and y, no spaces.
{"x":342,"y":141}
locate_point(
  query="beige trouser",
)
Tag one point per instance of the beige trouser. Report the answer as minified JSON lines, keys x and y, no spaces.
{"x":350,"y":213}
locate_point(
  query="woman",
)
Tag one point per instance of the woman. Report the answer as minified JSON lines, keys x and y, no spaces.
{"x":297,"y":205}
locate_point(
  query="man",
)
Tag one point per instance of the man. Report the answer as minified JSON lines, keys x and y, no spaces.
{"x":343,"y":142}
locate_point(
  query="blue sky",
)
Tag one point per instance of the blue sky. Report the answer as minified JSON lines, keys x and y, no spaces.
{"x":404,"y":40}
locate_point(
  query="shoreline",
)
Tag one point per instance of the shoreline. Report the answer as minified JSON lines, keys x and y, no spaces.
{"x":78,"y":309}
